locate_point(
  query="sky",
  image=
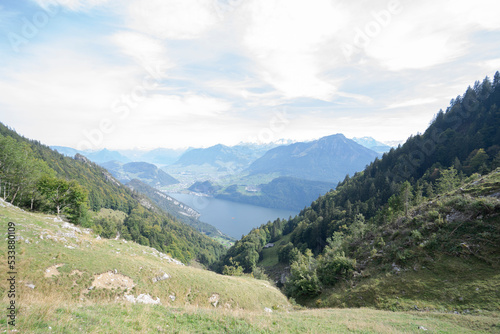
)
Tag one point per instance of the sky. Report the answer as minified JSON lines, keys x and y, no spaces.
{"x":194,"y":73}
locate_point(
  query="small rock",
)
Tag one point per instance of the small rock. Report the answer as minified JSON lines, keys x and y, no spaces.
{"x":147,"y":299}
{"x":214,"y":299}
{"x":130,"y":298}
{"x":172,"y":297}
{"x":31,"y":286}
{"x":422,"y":328}
{"x":160,"y":278}
{"x":268,"y":310}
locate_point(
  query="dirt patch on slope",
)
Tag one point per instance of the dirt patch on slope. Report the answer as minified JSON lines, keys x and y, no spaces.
{"x":52,"y":270}
{"x":111,"y":280}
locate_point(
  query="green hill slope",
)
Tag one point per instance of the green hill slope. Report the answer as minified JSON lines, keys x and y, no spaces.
{"x":68,"y":280}
{"x":144,"y":223}
{"x":442,"y":255}
{"x":324,"y":247}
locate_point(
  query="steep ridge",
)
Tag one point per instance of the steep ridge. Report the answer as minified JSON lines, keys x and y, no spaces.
{"x":179,"y":210}
{"x":143,"y":171}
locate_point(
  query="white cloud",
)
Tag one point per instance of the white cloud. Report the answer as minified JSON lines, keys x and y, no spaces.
{"x":411,"y":103}
{"x":224,"y":68}
{"x":428,"y":33}
{"x":59,"y":93}
{"x":491,"y":64}
{"x":173,"y":19}
{"x":179,"y":108}
{"x":284,"y":39}
{"x":148,"y":52}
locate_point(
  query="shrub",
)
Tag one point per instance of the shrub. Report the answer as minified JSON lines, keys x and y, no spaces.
{"x":303,"y":280}
{"x":334,"y":267}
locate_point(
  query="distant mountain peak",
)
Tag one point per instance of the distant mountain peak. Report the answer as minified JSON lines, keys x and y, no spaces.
{"x":329,"y":158}
{"x":372,"y":144}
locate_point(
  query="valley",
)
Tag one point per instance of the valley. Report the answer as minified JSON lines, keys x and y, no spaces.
{"x":237,"y":175}
{"x":249,"y":166}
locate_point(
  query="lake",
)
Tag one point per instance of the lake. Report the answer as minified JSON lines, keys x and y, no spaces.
{"x":231,"y":218}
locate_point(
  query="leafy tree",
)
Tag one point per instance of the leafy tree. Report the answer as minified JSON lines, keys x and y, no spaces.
{"x":234,"y":269}
{"x":358,"y":227}
{"x":61,"y":194}
{"x":406,"y":196}
{"x":34,"y":176}
{"x":477,"y":161}
{"x":303,"y":280}
{"x":448,"y":180}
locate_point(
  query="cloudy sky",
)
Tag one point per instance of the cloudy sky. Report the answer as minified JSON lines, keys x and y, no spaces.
{"x":177,"y":73}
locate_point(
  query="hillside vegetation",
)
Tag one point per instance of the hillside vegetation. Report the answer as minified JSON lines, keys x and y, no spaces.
{"x":69,"y":280}
{"x":405,"y":211}
{"x":37,"y":178}
{"x":179,"y":210}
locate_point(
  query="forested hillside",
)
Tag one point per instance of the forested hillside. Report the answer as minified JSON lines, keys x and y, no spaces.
{"x":37,"y":178}
{"x":461,"y":143}
{"x":179,"y":210}
{"x":283,"y":193}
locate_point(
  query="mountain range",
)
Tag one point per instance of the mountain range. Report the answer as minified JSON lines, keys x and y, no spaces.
{"x":157,"y":156}
{"x":288,"y":176}
{"x":225,"y":158}
{"x":99,"y":156}
{"x":328,"y":159}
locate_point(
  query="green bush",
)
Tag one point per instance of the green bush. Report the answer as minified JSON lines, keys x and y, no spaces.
{"x":332,"y":268}
{"x":303,"y":280}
